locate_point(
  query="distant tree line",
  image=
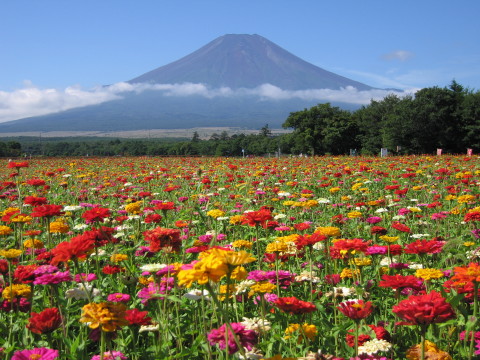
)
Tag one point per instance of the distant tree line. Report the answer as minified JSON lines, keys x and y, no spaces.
{"x":446,"y":118}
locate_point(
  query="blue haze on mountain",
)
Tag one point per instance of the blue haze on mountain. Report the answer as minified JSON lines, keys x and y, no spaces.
{"x":233,"y":62}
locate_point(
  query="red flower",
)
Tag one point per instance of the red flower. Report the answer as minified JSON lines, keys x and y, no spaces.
{"x":24,"y":273}
{"x":77,"y":248}
{"x":380,"y":333}
{"x":378,"y":230}
{"x":34,"y":200}
{"x":16,"y":165}
{"x":292,"y":305}
{"x":401,"y":281}
{"x":112,"y":269}
{"x":47,"y":210}
{"x":472,"y":216}
{"x":45,"y":321}
{"x":257,"y":218}
{"x":401,"y":227}
{"x":351,"y":245}
{"x":165,"y":206}
{"x":302,"y":226}
{"x":427,"y":309}
{"x":97,"y":214}
{"x":424,"y":247}
{"x":356,"y":310}
{"x":137,"y":317}
{"x":36,"y":182}
{"x":161,"y":238}
{"x":309,"y":240}
{"x":153,"y":218}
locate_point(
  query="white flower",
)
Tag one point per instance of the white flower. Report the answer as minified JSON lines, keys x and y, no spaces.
{"x":280,"y":216}
{"x":256,"y":324}
{"x":72,"y":208}
{"x":243,"y":286}
{"x":80,"y":293}
{"x":196,"y":294}
{"x":323,"y":201}
{"x":66,"y":175}
{"x":419,"y":236}
{"x":223,"y":218}
{"x":145,"y":328}
{"x":381,"y":210}
{"x":373,"y":346}
{"x":152,"y":267}
{"x":318,"y":246}
{"x":80,"y":227}
{"x":398,"y":217}
{"x":307,"y":276}
{"x":386,"y":261}
{"x":127,"y":184}
{"x":341,"y":292}
{"x":415,"y":266}
{"x":283,"y":193}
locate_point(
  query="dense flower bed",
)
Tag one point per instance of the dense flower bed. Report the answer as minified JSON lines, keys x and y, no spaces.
{"x":214,"y":258}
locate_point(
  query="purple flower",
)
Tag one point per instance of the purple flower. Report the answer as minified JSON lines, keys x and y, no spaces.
{"x":36,"y":353}
{"x":476,"y":233}
{"x":223,"y":337}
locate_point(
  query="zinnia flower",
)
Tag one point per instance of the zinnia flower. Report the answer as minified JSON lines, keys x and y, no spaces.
{"x":223,"y":337}
{"x":35,"y":354}
{"x":108,"y":316}
{"x":431,"y":308}
{"x":45,"y":321}
{"x":356,"y":309}
{"x":292,"y":305}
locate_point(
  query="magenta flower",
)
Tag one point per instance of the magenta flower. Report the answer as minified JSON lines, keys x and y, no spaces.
{"x":54,"y":278}
{"x":155,"y":290}
{"x":247,"y":338}
{"x":37,"y":354}
{"x":110,"y":355}
{"x":85,"y":277}
{"x":118,"y":297}
{"x":373,"y":219}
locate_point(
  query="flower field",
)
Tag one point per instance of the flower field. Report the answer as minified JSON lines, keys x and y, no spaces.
{"x":258,"y":258}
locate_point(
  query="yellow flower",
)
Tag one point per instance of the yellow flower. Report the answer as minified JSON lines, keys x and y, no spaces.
{"x":465,"y":199}
{"x":349,"y":273}
{"x":17,"y":290}
{"x":242,"y":244}
{"x":345,"y":197}
{"x":261,"y":288}
{"x":431,"y":352}
{"x":10,"y":210}
{"x":11,"y":253}
{"x":288,"y":203}
{"x":20,"y":218}
{"x":134,"y":208}
{"x":211,"y":267}
{"x":33,"y":243}
{"x":356,"y":186}
{"x":308,"y":330}
{"x":236,"y":258}
{"x":108,"y":316}
{"x":5,"y":230}
{"x":334,"y":190}
{"x":59,"y":227}
{"x":331,"y":231}
{"x":389,"y":239}
{"x":115,"y":258}
{"x":354,"y":214}
{"x":239,"y":273}
{"x":450,"y":197}
{"x":216,"y":213}
{"x":428,"y":274}
{"x":468,"y":243}
{"x":222,"y":291}
{"x":236,"y":219}
{"x":361,"y":261}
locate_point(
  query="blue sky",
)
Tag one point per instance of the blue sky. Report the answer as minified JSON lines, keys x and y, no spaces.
{"x":55,"y":53}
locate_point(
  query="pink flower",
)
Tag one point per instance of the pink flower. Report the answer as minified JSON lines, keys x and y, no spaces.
{"x":110,"y":355}
{"x":36,"y":353}
{"x":55,"y":278}
{"x":118,"y":297}
{"x":246,"y":338}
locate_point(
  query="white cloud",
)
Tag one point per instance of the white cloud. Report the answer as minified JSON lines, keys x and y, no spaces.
{"x":402,"y":55}
{"x":33,"y":101}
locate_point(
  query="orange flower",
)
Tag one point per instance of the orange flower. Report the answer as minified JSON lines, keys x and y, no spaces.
{"x":108,"y":316}
{"x":466,"y":274}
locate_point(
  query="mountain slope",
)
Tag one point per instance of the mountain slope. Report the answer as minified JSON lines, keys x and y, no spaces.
{"x":246,"y":61}
{"x":239,"y":62}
